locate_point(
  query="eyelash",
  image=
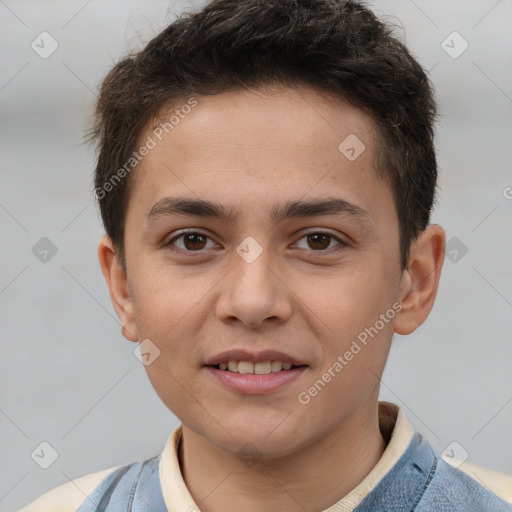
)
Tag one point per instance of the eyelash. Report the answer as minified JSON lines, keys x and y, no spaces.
{"x":341,"y":243}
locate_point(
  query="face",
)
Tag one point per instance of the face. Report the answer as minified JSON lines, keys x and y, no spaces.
{"x":292,"y":259}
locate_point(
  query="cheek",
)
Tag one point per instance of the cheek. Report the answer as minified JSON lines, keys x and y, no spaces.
{"x":355,"y":337}
{"x":174,"y":387}
{"x":164,"y":301}
{"x":353,"y":361}
{"x":348,"y":302}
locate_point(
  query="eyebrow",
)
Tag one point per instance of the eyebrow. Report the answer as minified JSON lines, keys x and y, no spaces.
{"x":169,"y":206}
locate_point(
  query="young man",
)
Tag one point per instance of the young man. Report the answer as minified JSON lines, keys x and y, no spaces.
{"x":266,"y":175}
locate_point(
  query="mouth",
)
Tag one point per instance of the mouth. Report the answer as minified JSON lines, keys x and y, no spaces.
{"x":247,"y":373}
{"x":251,"y":368}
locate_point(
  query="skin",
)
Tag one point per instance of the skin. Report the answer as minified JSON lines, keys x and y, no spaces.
{"x":252,"y":150}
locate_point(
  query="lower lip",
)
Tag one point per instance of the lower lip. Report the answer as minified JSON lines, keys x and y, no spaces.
{"x":251,"y":384}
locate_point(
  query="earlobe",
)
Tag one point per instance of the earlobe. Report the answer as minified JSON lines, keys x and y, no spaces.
{"x":117,"y":283}
{"x":418,"y":288}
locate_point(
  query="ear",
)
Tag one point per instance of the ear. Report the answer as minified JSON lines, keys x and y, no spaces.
{"x":118,"y":287}
{"x":418,"y":287}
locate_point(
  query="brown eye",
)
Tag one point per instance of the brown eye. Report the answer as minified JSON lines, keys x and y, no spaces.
{"x":194,"y":241}
{"x":191,"y":240}
{"x":321,"y":242}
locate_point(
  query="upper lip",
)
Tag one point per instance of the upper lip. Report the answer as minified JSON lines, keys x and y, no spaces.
{"x":253,"y":357}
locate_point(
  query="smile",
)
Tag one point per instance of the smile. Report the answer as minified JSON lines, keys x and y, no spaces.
{"x":248,"y":367}
{"x":245,"y":379}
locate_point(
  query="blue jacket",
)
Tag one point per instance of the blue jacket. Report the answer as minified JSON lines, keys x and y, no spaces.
{"x":419,"y":482}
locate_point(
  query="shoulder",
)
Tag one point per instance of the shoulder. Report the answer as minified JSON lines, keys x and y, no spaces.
{"x":471,"y":489}
{"x":68,"y":497}
{"x":499,"y":483}
{"x":134,"y":486}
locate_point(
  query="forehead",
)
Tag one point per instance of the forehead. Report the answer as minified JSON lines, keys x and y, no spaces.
{"x":301,"y":118}
{"x":259,"y":145}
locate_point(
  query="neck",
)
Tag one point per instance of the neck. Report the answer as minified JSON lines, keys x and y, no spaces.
{"x":313,"y":479}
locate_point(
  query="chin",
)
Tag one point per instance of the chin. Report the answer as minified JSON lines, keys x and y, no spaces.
{"x":250,"y":435}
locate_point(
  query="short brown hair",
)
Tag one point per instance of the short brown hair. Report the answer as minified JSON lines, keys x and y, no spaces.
{"x":332,"y":45}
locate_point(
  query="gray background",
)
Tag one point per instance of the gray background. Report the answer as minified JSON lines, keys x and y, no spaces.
{"x":67,"y":375}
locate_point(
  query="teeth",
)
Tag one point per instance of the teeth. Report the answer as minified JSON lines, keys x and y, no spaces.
{"x":233,"y":366}
{"x":263,"y":368}
{"x":247,"y":367}
{"x":276,"y":366}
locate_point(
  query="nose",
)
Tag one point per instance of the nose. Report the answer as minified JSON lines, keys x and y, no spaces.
{"x":254,"y":293}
